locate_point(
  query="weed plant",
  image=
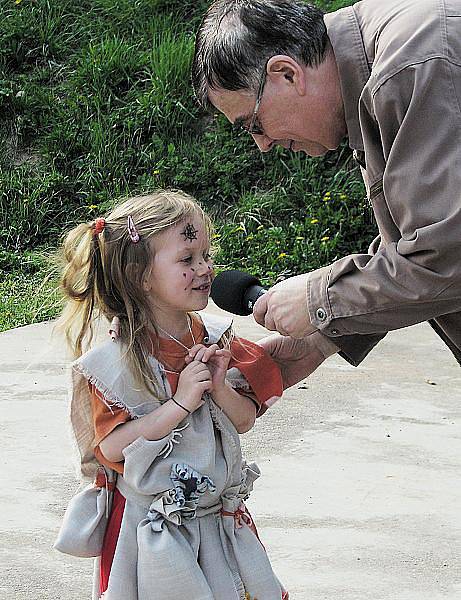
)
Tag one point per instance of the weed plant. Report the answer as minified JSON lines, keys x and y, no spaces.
{"x":96,"y":104}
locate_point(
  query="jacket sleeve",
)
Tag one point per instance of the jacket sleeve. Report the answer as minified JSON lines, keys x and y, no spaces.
{"x":416,"y":275}
{"x":354,"y":348}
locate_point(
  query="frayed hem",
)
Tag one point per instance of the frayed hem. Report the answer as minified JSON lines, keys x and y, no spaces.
{"x":108,"y":397}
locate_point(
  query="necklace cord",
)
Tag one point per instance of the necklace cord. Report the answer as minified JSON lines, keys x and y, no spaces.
{"x":176,"y":339}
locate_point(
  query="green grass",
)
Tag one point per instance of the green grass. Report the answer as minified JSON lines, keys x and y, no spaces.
{"x":96,"y":104}
{"x":28,"y":289}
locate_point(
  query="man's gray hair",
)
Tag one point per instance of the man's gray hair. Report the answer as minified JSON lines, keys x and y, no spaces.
{"x":237,"y":37}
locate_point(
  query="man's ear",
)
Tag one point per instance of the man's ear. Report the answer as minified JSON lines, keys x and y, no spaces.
{"x":283,"y":69}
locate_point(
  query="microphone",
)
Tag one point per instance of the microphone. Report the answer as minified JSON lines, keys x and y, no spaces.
{"x":236,"y":291}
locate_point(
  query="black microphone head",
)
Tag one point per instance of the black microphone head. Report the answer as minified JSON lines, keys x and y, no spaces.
{"x":228,"y":290}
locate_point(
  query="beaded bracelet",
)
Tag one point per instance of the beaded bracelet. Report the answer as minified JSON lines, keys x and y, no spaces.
{"x":181,"y":406}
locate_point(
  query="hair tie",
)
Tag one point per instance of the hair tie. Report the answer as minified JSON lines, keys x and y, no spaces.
{"x":99,"y":225}
{"x":114,"y":329}
{"x":132,"y":231}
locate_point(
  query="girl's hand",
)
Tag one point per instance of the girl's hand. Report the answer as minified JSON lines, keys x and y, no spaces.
{"x":194,"y":380}
{"x":217,"y":359}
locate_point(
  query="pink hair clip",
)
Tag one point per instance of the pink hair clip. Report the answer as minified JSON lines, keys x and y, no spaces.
{"x":99,"y":225}
{"x":114,"y":329}
{"x":132,"y":231}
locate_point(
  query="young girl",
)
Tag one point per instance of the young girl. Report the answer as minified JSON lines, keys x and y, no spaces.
{"x":157,"y":410}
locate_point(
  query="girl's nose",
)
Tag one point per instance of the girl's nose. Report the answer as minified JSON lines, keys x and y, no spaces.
{"x":203,"y":267}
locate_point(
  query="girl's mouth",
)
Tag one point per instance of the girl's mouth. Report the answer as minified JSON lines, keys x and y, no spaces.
{"x":205,"y":287}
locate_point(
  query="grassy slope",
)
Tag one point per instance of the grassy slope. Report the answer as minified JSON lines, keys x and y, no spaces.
{"x":95,"y":103}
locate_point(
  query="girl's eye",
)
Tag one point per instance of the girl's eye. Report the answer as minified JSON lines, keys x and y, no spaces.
{"x":187,"y":259}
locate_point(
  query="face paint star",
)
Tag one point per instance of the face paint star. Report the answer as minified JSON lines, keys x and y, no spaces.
{"x":189,"y":232}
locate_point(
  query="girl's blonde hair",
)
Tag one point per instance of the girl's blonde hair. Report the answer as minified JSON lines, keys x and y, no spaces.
{"x":103,"y":274}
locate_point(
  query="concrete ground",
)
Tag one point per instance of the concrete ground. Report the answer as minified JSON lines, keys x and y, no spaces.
{"x":360,"y":492}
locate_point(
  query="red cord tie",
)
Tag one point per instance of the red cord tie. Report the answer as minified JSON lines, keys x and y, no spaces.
{"x":241,"y":516}
{"x":102,"y":481}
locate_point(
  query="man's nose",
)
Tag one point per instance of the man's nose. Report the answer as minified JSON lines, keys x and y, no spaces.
{"x":264,"y":143}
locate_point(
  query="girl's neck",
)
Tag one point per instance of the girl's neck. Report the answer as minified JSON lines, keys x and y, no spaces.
{"x":176,"y":324}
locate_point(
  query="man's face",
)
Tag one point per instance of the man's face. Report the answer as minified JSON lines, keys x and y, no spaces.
{"x":301,"y":111}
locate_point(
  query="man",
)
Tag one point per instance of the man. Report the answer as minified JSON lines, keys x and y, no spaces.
{"x":388,"y":76}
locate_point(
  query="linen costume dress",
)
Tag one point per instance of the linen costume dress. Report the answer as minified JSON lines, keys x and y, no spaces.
{"x":184,"y":530}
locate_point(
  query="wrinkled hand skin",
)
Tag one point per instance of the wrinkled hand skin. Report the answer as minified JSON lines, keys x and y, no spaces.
{"x":297,"y":359}
{"x":283,"y":308}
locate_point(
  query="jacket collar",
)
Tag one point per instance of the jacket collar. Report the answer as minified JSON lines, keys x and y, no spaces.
{"x":345,"y":37}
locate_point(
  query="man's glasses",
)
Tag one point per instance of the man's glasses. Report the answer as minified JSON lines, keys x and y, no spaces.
{"x":254,"y":127}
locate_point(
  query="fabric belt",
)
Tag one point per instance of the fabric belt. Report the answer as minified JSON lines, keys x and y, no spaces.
{"x":145,"y":500}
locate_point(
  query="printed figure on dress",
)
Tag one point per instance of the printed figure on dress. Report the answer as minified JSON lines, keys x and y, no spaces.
{"x":156,"y":412}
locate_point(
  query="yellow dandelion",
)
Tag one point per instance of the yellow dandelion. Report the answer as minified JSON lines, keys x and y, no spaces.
{"x":343,"y":196}
{"x":282,"y":255}
{"x":156,"y":172}
{"x":92,"y":207}
{"x":314,"y":221}
{"x":325,"y":239}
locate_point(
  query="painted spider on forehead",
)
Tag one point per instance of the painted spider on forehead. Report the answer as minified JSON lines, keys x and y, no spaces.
{"x":189,"y":232}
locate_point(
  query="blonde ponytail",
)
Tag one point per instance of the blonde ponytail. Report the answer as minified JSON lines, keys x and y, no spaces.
{"x":78,"y":286}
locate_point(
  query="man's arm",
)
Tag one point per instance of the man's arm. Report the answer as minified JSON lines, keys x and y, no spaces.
{"x":415,"y":275}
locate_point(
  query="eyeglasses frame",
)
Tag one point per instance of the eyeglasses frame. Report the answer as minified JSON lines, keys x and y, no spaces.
{"x":252,"y":129}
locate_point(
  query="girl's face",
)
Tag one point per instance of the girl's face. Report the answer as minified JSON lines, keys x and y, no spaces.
{"x":182,"y":270}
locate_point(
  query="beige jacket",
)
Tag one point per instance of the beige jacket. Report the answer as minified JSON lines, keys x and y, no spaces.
{"x":400,"y":68}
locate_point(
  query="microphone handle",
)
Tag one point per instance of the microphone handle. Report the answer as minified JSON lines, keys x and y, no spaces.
{"x":251,"y":295}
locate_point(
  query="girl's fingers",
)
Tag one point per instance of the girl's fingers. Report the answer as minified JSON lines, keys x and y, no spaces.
{"x":209,"y":352}
{"x":223,"y":352}
{"x":204,"y":375}
{"x":197,"y":367}
{"x":207,"y":386}
{"x":200,"y":354}
{"x":193,"y":351}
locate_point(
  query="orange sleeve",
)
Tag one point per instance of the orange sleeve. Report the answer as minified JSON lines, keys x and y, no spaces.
{"x":105,"y":420}
{"x":261,"y":372}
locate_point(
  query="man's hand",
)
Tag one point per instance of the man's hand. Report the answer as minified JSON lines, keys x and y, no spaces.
{"x":283,"y":308}
{"x":297,"y":359}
